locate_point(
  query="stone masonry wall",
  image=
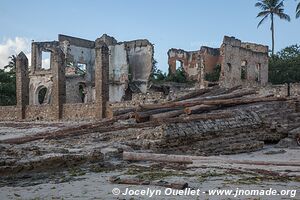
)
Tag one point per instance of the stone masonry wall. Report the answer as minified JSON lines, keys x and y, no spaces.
{"x":9,"y":113}
{"x":79,"y":111}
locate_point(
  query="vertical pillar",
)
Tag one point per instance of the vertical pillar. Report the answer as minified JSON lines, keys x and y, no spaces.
{"x":59,"y":82}
{"x":22,"y":84}
{"x":101,"y":78}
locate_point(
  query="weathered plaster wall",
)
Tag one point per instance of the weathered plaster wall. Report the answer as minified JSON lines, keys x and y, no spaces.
{"x":118,"y":72}
{"x":140,"y":57}
{"x":36,"y":83}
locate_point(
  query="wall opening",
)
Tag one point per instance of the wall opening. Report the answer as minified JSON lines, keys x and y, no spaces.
{"x":46,"y":58}
{"x":179,"y":64}
{"x":42,"y":95}
{"x":229,"y":67}
{"x":82,"y":92}
{"x":257,"y":72}
{"x":244,"y":70}
{"x":81,"y":68}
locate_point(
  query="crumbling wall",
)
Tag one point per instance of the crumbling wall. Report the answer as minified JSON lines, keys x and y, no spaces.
{"x":79,"y":111}
{"x":37,"y":82}
{"x":9,"y":113}
{"x":195,"y":63}
{"x":140,"y":58}
{"x":243,"y":63}
{"x":40,"y":112}
{"x":118,"y":72}
{"x":73,"y":94}
{"x":190,"y":62}
{"x":80,"y":54}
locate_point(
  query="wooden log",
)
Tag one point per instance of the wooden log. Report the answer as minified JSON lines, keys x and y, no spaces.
{"x":105,"y":126}
{"x":132,"y":156}
{"x":145,"y":116}
{"x":169,"y":114}
{"x":235,"y":101}
{"x":221,"y":91}
{"x":199,"y":108}
{"x":193,"y":94}
{"x":231,"y":95}
{"x":123,"y":111}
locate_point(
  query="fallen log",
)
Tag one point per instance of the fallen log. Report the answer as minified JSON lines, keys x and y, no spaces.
{"x":221,"y":91}
{"x":145,"y":116}
{"x":169,"y":114}
{"x":227,"y":102}
{"x":123,"y":111}
{"x":132,"y":156}
{"x":103,"y":127}
{"x":230,"y":96}
{"x":199,"y":108}
{"x":193,"y":94}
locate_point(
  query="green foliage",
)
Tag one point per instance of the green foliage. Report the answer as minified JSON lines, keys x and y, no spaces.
{"x":156,"y":74}
{"x":7,"y":88}
{"x":8,"y":83}
{"x":284,"y":67}
{"x":178,"y":77}
{"x":213,"y":76}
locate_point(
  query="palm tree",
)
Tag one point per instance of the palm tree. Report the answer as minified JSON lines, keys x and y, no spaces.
{"x":270,"y":8}
{"x":298,"y":10}
{"x":11,"y":67}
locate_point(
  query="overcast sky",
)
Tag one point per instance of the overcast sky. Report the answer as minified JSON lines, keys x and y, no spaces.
{"x":185,"y":24}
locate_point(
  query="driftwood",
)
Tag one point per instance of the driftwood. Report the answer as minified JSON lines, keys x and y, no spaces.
{"x":221,"y":91}
{"x":130,"y":181}
{"x":145,"y":116}
{"x":199,"y":108}
{"x":105,"y":126}
{"x":193,"y":94}
{"x":131,"y":156}
{"x":227,"y":102}
{"x":165,"y":115}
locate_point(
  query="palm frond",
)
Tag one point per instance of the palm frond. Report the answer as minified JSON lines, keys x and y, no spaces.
{"x":262,"y":6}
{"x":298,"y":11}
{"x":263,"y":19}
{"x":263,"y":13}
{"x":283,"y":16}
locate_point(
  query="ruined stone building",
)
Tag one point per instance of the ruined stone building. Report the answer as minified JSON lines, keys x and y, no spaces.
{"x":240,"y":63}
{"x":81,"y":78}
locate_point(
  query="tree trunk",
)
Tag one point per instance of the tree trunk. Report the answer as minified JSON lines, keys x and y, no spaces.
{"x":273,"y":34}
{"x":165,"y":115}
{"x":199,"y":109}
{"x":194,"y":102}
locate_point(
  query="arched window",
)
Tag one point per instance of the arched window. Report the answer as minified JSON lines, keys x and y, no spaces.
{"x":41,"y":94}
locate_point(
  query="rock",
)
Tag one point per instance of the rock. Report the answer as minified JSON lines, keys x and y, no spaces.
{"x":287,"y":143}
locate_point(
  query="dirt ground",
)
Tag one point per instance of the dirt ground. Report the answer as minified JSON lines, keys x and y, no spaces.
{"x":27,"y":173}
